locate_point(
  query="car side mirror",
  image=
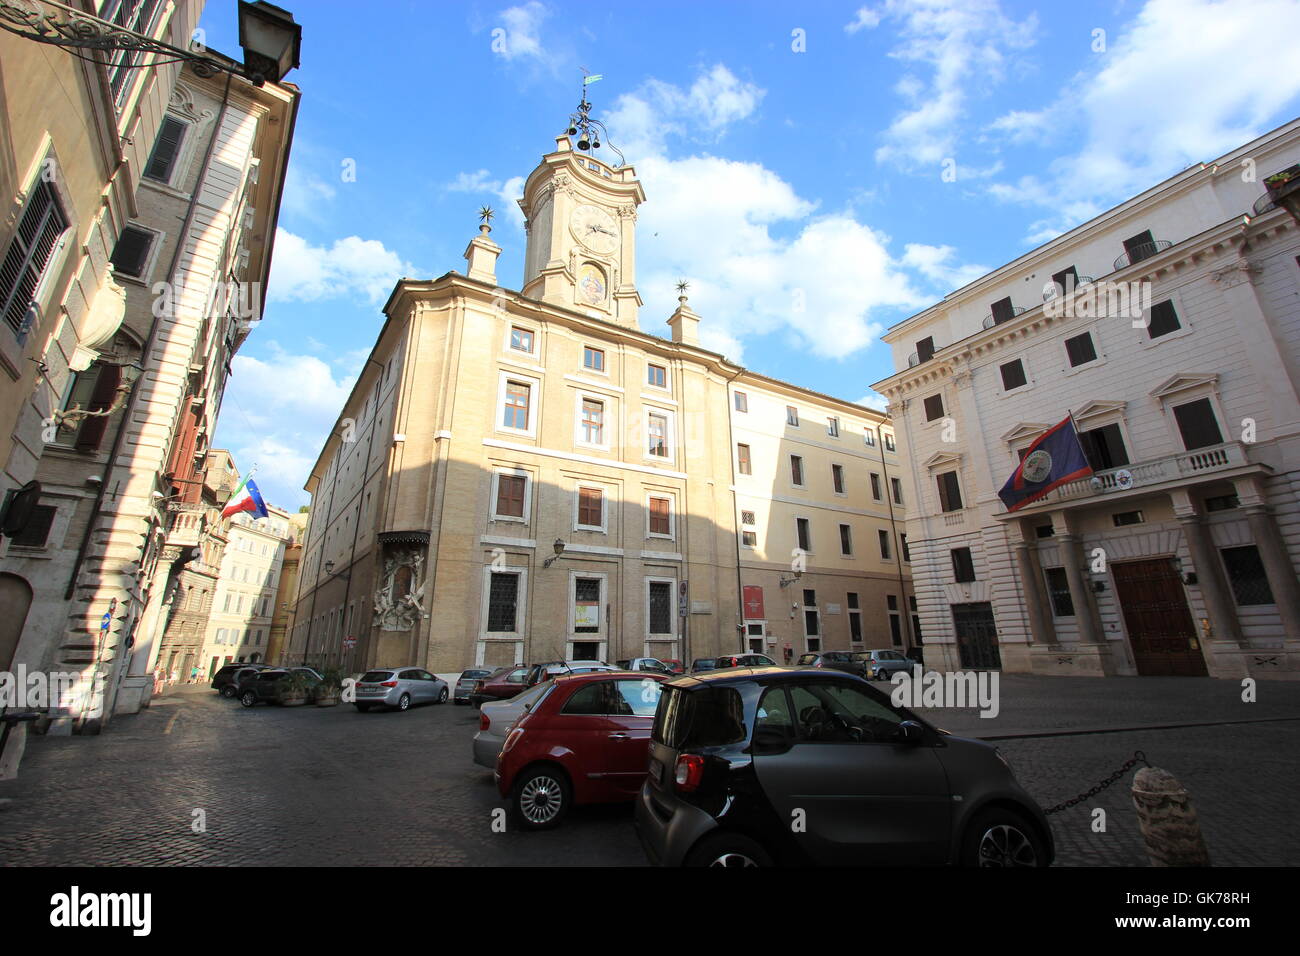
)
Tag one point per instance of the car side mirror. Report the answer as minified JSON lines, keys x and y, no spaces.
{"x":910,"y":733}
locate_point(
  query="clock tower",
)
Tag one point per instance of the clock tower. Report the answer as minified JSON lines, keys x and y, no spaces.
{"x":581,"y":221}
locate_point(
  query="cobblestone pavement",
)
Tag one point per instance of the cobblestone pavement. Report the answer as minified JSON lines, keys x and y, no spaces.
{"x":329,"y":786}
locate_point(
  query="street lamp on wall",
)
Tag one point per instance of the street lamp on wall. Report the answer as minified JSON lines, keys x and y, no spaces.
{"x":558,"y":548}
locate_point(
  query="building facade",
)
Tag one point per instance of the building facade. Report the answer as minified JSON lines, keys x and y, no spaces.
{"x":123,"y":503}
{"x":1169,"y":328}
{"x":529,"y":475}
{"x":287,"y":592}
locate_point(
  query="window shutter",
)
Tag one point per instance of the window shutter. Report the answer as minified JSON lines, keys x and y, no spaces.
{"x":92,"y":429}
{"x":165,"y":150}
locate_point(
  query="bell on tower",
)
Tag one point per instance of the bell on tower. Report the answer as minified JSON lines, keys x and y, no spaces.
{"x":580,"y":214}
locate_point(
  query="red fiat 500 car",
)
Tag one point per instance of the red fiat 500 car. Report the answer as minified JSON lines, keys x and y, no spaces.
{"x":585,"y":741}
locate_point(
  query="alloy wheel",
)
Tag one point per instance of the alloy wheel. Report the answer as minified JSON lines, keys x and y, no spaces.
{"x":540,"y":799}
{"x":1006,"y":845}
{"x":733,"y":859}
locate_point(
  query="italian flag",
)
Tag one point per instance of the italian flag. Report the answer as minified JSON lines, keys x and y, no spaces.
{"x":246,"y":499}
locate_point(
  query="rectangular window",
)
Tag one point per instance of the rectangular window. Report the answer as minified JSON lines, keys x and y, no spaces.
{"x":1140,"y":247}
{"x":1013,"y":375}
{"x":35,"y":241}
{"x":166,"y":150}
{"x":656,"y":375}
{"x":742,"y":460}
{"x":837,"y":478}
{"x":747,"y":517}
{"x":661,"y":516}
{"x":875,"y":487}
{"x":902,"y":546}
{"x":933,"y":407}
{"x":521,"y":340}
{"x":883,"y":537}
{"x":870,"y":438}
{"x":593,"y":422}
{"x":791,"y":415}
{"x":1003,"y":311}
{"x":1164,"y":319}
{"x":1058,"y":590}
{"x":963,"y":565}
{"x":591,"y":503}
{"x":132,"y":252}
{"x":1066,"y":280}
{"x":1246,"y":575}
{"x":1221,"y":503}
{"x":1044,"y":531}
{"x":925,"y":349}
{"x":37,"y":530}
{"x":897,"y":486}
{"x":661,"y":607}
{"x":516,"y":408}
{"x":742,"y":401}
{"x":1104,"y":447}
{"x":889,"y":441}
{"x":503,"y":602}
{"x":1197,"y":424}
{"x":749,"y":539}
{"x":593,"y":359}
{"x":510,"y":495}
{"x":846,"y":539}
{"x":803,"y":534}
{"x":658,"y":435}
{"x":796,"y":470}
{"x":1080,"y":349}
{"x":586,"y":605}
{"x":949,"y":491}
{"x":1124,"y":518}
{"x":833,"y":427}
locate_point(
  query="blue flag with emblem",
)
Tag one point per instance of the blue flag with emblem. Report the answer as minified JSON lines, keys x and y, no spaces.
{"x":1055,"y":457}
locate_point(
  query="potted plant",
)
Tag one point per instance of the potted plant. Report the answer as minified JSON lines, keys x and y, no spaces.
{"x":330,"y":687}
{"x":293,"y":689}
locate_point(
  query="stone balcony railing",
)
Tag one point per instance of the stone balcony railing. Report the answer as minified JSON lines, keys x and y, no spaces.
{"x":1157,"y":471}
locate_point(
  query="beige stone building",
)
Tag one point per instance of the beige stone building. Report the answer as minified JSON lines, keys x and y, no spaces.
{"x":530,"y":475}
{"x":287,"y":591}
{"x":1169,"y":327}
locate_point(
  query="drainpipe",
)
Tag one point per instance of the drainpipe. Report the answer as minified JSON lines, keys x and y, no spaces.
{"x":905,"y":607}
{"x":735,"y":507}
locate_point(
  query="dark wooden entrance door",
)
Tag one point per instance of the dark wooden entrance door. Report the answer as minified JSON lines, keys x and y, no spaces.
{"x":1160,"y":627}
{"x":977,"y":636}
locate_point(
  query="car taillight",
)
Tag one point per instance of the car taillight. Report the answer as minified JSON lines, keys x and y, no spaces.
{"x":483,"y":721}
{"x":389,"y":683}
{"x":511,"y":740}
{"x":478,"y":686}
{"x":690,"y":771}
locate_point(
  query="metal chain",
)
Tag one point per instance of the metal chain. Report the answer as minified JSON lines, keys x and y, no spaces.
{"x":1138,"y":758}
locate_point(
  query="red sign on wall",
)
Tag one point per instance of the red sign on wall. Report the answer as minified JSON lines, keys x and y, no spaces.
{"x":753,"y":595}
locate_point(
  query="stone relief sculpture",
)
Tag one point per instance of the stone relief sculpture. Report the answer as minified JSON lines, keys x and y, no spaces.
{"x":399,"y":602}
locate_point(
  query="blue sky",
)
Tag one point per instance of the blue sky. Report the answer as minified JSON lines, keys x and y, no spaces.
{"x":793,"y":157}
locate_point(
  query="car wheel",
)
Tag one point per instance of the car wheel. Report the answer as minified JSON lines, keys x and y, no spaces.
{"x":248,"y":698}
{"x":540,"y":798}
{"x":1002,"y":838}
{"x":442,"y":697}
{"x":404,"y":702}
{"x":728,"y":849}
{"x":228,"y":692}
{"x":364,"y":708}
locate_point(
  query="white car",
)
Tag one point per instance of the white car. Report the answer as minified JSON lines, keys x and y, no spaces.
{"x":646,"y":664}
{"x":496,"y":717}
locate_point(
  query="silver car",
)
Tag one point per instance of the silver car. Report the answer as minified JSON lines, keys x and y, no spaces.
{"x":883,"y":665}
{"x":465,"y":683}
{"x":496,"y":718}
{"x":399,"y":687}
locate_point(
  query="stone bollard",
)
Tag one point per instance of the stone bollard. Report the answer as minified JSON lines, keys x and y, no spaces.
{"x":1168,"y":820}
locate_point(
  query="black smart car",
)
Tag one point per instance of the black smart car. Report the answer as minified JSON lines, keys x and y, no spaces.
{"x":763,"y":766}
{"x":226,"y":681}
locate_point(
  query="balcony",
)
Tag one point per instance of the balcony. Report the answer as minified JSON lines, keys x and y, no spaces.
{"x":1262,"y":205}
{"x":1144,"y":251}
{"x":1055,"y":291}
{"x":990,"y":321}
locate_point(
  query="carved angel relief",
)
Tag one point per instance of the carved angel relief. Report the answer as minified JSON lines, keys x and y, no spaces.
{"x":399,"y":602}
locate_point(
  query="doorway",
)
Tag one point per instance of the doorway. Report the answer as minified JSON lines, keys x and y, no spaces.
{"x":15,"y":601}
{"x":1160,"y":628}
{"x":977,"y":636}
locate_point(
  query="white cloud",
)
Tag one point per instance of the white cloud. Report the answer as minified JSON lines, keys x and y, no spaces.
{"x":641,"y":121}
{"x":305,"y":194}
{"x":277,"y":413}
{"x":937,"y":264}
{"x":864,"y":19}
{"x":522,"y":26}
{"x":508,"y":192}
{"x":874,"y":399}
{"x":957,"y":47}
{"x":352,"y":266}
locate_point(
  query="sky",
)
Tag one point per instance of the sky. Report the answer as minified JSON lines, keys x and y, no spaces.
{"x":816,"y":171}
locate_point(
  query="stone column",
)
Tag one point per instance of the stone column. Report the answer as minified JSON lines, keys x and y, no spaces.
{"x":1042,"y":629}
{"x":1278,"y":566}
{"x":1085,"y":604}
{"x":1209,"y":571}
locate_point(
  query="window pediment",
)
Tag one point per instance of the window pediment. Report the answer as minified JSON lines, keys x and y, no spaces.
{"x":943,"y":458}
{"x":1098,"y":408}
{"x":1184,"y":381}
{"x":1025,"y":430}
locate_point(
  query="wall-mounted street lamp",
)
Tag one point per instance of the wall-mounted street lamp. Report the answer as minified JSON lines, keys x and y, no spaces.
{"x":74,"y":416}
{"x":785,"y":582}
{"x":268,"y":34}
{"x":329,"y":570}
{"x":558,"y":548}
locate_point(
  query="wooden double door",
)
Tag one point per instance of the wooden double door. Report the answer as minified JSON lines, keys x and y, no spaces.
{"x":1159,"y":623}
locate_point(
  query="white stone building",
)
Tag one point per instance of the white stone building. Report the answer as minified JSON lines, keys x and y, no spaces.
{"x":1179,"y":555}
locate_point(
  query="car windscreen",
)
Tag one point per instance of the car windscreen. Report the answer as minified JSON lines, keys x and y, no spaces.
{"x":375,"y":677}
{"x":706,"y":717}
{"x":808,"y":659}
{"x":535,"y":693}
{"x":470,"y":674}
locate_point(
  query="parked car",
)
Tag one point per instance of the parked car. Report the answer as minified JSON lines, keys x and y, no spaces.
{"x":645,"y":664}
{"x":851,"y":662}
{"x":744,"y":660}
{"x":736,"y":755}
{"x":702,"y":664}
{"x":674,"y":665}
{"x":882,"y":665}
{"x":265,"y":686}
{"x":584,"y":742}
{"x":399,"y":688}
{"x":465,"y":683}
{"x":502,"y":684}
{"x":541,"y":672}
{"x":496,"y":717}
{"x":227,"y":679}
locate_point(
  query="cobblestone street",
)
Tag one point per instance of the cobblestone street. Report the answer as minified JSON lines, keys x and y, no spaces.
{"x":330,"y":786}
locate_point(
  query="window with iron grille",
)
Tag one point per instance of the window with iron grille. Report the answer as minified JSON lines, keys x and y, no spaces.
{"x":503,"y":602}
{"x":1221,"y":503}
{"x":661,"y":516}
{"x":166,"y":149}
{"x":34,"y":244}
{"x":747,"y":517}
{"x":510,"y":495}
{"x":1058,"y":590}
{"x":1246,"y":575}
{"x":590,"y":506}
{"x":593,"y":422}
{"x":661,"y":607}
{"x":963,"y":565}
{"x":586,"y":591}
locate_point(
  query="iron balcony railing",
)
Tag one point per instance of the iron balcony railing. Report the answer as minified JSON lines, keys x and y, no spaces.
{"x":1144,"y":251}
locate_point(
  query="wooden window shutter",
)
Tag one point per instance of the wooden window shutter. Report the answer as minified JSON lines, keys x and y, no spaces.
{"x":92,"y":429}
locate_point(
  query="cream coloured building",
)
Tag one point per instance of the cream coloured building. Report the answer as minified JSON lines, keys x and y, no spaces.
{"x":524,"y":476}
{"x":1169,"y":327}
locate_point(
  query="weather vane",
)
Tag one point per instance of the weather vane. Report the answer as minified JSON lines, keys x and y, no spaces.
{"x":590,"y":131}
{"x":682,"y":286}
{"x":485,"y":214}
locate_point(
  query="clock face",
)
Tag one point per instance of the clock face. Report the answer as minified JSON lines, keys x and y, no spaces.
{"x":594,"y":228}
